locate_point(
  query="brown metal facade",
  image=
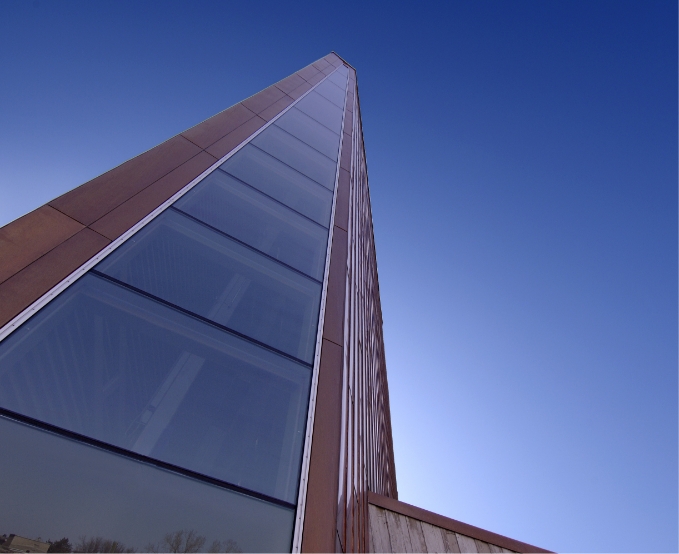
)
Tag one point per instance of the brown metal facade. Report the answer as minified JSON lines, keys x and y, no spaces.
{"x":352,"y":450}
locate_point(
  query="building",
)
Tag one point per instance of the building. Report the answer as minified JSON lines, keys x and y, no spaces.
{"x":191,"y":353}
{"x":15,"y":543}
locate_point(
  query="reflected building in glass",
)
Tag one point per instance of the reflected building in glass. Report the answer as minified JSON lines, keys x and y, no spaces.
{"x":191,"y":351}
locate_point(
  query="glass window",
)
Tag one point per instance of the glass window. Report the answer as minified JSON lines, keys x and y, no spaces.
{"x":310,"y":131}
{"x":183,"y":262}
{"x":108,"y":363}
{"x":55,"y":488}
{"x":322,"y":110}
{"x":279,"y":181}
{"x":339,"y":76}
{"x":332,"y":92}
{"x":298,"y":155}
{"x":249,"y":216}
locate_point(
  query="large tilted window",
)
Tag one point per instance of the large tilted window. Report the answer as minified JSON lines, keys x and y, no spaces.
{"x":164,"y":394}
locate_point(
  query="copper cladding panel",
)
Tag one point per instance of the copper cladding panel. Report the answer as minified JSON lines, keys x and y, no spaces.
{"x":345,"y":158}
{"x":333,"y":325}
{"x":25,"y":239}
{"x":315,"y":79}
{"x":276,"y":108}
{"x":223,"y":146}
{"x":29,"y":284}
{"x":301,"y":89}
{"x":211,"y":130}
{"x":321,"y":508}
{"x":308,"y":72}
{"x":290,"y":83}
{"x":342,"y":204}
{"x":321,"y":64}
{"x":96,"y":198}
{"x":365,"y":460}
{"x":262,"y":100}
{"x":116,"y":222}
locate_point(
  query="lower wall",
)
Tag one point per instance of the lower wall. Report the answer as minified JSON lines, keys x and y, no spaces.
{"x":399,"y":527}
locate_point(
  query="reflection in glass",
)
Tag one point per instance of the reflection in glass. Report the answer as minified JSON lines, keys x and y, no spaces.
{"x":298,"y":155}
{"x":310,"y":131}
{"x":56,"y":488}
{"x":110,"y":364}
{"x":322,"y":110}
{"x":332,"y":92}
{"x":183,"y":262}
{"x":249,"y":216}
{"x":279,"y":181}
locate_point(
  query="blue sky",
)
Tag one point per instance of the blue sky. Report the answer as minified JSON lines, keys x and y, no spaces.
{"x":523,"y":172}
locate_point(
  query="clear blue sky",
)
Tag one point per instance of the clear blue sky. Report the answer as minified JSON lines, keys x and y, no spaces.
{"x":523,"y":169}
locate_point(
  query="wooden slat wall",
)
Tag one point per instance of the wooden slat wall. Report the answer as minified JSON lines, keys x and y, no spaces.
{"x":393,"y":532}
{"x":395,"y":526}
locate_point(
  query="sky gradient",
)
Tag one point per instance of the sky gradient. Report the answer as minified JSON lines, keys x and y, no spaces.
{"x":523,"y":171}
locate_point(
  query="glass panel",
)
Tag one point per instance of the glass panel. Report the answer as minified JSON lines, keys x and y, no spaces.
{"x":281,"y":182}
{"x":322,"y":110}
{"x":342,"y":70}
{"x":310,"y":131}
{"x":339,"y":77}
{"x":108,"y":363}
{"x":298,"y":155}
{"x":246,"y":214}
{"x":56,"y":488}
{"x":332,"y":92}
{"x":191,"y":266}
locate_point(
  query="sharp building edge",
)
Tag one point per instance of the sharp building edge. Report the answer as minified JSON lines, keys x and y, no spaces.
{"x":191,"y":349}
